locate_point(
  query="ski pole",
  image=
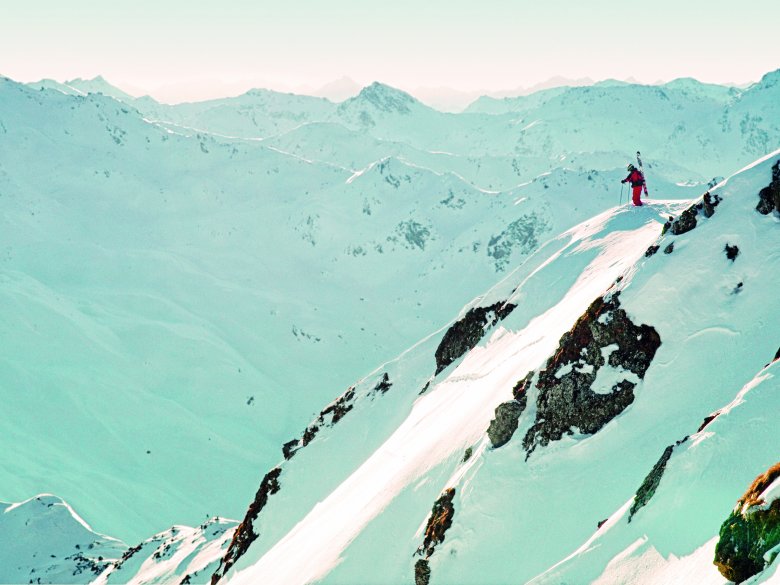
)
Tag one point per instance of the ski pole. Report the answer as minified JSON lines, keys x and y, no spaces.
{"x":621,"y":193}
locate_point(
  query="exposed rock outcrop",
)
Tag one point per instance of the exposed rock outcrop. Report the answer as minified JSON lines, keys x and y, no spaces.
{"x":750,"y":532}
{"x":651,"y":250}
{"x":769,"y":196}
{"x":329,"y":417}
{"x":422,"y":572}
{"x":505,"y":424}
{"x":707,"y":421}
{"x":383,"y":385}
{"x":567,"y":400}
{"x":245,"y":532}
{"x":465,"y":333}
{"x":709,"y":204}
{"x":731,"y":252}
{"x":653,"y":479}
{"x":686,"y":222}
{"x":669,"y":249}
{"x":520,"y":391}
{"x":439,"y":522}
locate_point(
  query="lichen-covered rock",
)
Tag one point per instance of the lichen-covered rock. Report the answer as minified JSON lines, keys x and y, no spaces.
{"x":505,"y":424}
{"x":245,"y":533}
{"x":686,"y":222}
{"x":422,"y":572}
{"x":651,"y":482}
{"x":566,"y":398}
{"x":769,"y":196}
{"x":520,"y":391}
{"x":466,"y":332}
{"x":752,"y":529}
{"x":439,"y":522}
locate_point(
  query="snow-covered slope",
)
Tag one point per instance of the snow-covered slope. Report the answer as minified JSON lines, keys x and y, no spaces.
{"x":166,"y":264}
{"x":45,"y":541}
{"x":376,"y":460}
{"x":215,"y":284}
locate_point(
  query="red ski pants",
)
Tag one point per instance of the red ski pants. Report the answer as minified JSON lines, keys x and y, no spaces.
{"x":637,"y":193}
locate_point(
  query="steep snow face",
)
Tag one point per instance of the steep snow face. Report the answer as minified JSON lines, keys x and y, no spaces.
{"x":453,"y":413}
{"x":393,"y":453}
{"x":672,"y":539}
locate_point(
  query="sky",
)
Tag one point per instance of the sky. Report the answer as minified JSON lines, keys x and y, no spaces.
{"x":184,"y":47}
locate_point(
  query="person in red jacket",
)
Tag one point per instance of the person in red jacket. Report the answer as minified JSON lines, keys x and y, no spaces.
{"x":637,"y":180}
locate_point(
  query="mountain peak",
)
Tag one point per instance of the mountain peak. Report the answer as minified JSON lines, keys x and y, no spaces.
{"x":386,"y":98}
{"x":771,"y":79}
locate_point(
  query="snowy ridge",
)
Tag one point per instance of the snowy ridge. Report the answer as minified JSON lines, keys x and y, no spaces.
{"x":456,"y":408}
{"x":52,"y":544}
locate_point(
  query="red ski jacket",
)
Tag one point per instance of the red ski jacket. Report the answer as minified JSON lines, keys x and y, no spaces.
{"x":636,"y":178}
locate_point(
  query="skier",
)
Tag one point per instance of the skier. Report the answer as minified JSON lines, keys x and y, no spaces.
{"x":637,"y":180}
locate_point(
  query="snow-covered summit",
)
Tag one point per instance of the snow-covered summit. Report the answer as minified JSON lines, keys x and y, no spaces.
{"x":384,"y":98}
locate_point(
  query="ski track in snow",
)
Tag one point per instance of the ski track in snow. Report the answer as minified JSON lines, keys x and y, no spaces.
{"x":459,"y":408}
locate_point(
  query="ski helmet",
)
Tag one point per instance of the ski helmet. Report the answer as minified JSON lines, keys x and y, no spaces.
{"x":630,"y":167}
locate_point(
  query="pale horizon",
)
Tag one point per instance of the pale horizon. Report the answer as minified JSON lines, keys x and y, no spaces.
{"x":176,"y":52}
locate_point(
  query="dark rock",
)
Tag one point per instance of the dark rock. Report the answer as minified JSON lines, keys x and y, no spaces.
{"x":290,"y":447}
{"x":464,"y":334}
{"x":707,"y":421}
{"x":708,"y":205}
{"x":651,"y":250}
{"x":731,"y":252}
{"x":669,"y":249}
{"x":738,"y":288}
{"x":339,"y":408}
{"x":650,"y":483}
{"x":504,"y":425}
{"x":749,"y":532}
{"x":601,"y":523}
{"x":566,"y":398}
{"x":245,"y":533}
{"x":422,"y":572}
{"x":439,"y":522}
{"x":309,"y":434}
{"x":383,"y":385}
{"x":467,"y":454}
{"x":686,"y":222}
{"x":769,"y":196}
{"x":667,"y":225}
{"x":777,"y":355}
